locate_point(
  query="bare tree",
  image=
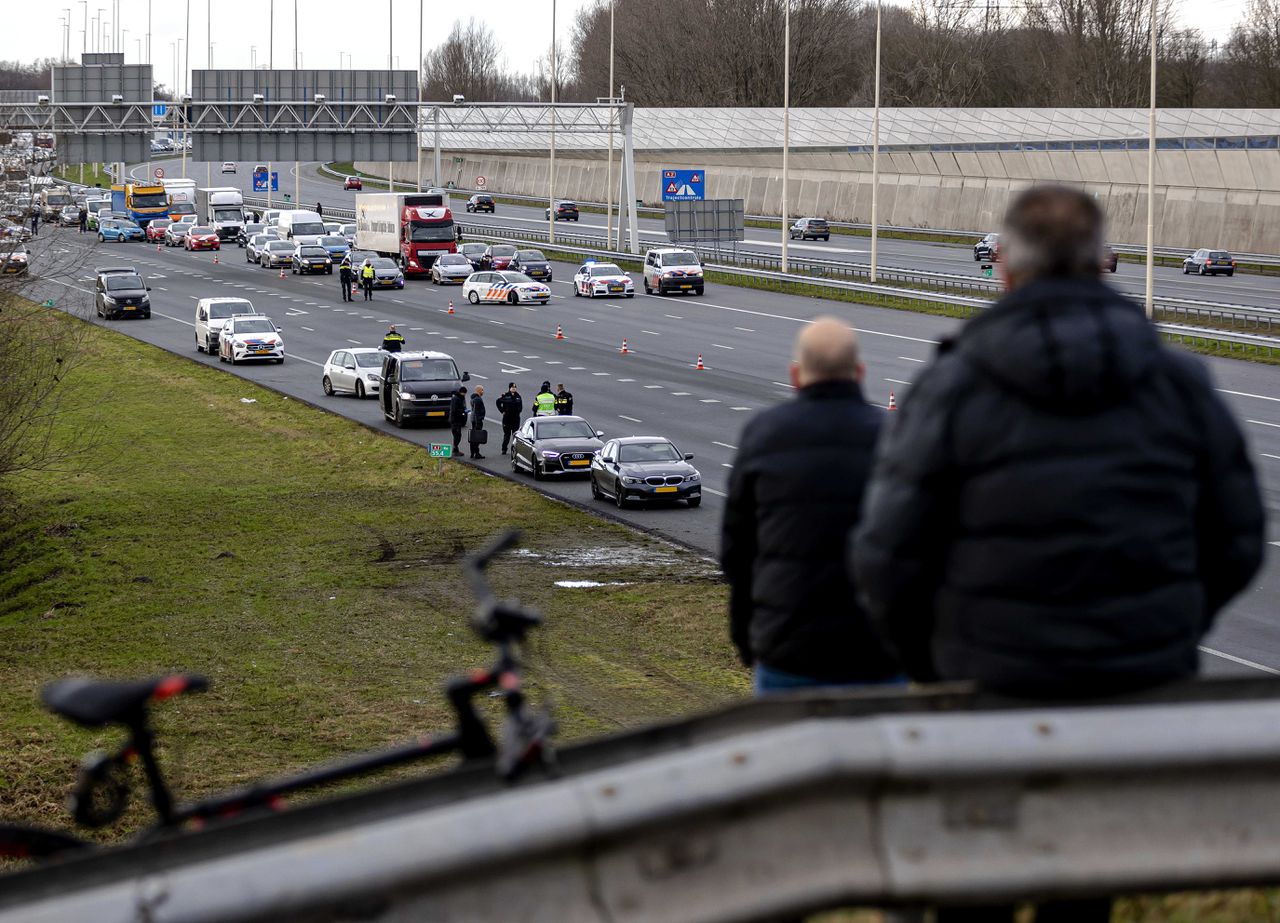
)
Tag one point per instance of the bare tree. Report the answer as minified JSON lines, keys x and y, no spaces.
{"x":1184,"y":77}
{"x":467,"y":62}
{"x":1253,"y":56}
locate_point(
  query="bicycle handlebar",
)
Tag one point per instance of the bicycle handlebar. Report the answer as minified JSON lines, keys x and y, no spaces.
{"x":501,"y":622}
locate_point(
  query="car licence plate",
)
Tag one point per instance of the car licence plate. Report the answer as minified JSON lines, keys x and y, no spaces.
{"x":435,"y":413}
{"x":664,"y":490}
{"x":130,"y":307}
{"x":261,"y":352}
{"x":686,"y":286}
{"x":615,"y":288}
{"x":579,"y":462}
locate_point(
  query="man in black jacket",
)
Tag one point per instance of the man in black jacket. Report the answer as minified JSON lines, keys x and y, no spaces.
{"x":794,"y":494}
{"x":1064,"y":504}
{"x":458,"y":418}
{"x":510,"y":404}
{"x":477,"y":419}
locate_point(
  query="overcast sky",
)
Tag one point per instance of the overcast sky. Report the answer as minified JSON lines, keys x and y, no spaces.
{"x":340,"y":33}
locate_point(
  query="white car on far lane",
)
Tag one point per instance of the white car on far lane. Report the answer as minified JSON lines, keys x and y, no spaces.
{"x":354,"y":370}
{"x":250,"y":336}
{"x":508,"y":287}
{"x":602,"y":279}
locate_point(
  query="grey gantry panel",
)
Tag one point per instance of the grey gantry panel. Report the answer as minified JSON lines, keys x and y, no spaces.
{"x":102,"y":110}
{"x":718,"y":220}
{"x":258,"y":115}
{"x":102,"y":57}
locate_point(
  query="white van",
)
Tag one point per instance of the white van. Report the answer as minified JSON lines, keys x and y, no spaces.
{"x":671,"y":269}
{"x":302,"y":226}
{"x":211,"y":314}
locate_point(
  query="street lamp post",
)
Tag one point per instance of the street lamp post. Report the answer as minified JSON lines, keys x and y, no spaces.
{"x":551,"y":173}
{"x":417,"y":114}
{"x":875,"y":160}
{"x":786,"y":122}
{"x":85,"y":31}
{"x":608,"y":182}
{"x":1151,"y":175}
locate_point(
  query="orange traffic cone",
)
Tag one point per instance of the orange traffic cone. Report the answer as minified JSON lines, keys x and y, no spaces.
{"x":559,"y":332}
{"x":624,"y":349}
{"x":450,"y":311}
{"x":700,"y":367}
{"x":893,"y":402}
{"x":281,"y":272}
{"x":157,"y":246}
{"x":215,"y":257}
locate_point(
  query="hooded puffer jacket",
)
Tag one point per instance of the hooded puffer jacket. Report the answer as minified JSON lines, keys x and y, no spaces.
{"x":1062,"y":505}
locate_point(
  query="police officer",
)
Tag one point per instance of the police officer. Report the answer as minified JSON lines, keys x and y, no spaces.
{"x":367,"y":275}
{"x":392,"y":342}
{"x":458,"y":418}
{"x":344,"y":277}
{"x":544,"y":402}
{"x":564,"y":401}
{"x":84,"y":218}
{"x":35,"y":224}
{"x":510,"y":404}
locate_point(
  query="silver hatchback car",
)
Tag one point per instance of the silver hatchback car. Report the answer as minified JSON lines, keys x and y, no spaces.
{"x":354,"y":370}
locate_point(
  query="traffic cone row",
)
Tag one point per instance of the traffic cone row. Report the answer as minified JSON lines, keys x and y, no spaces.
{"x":450,"y":311}
{"x":893,"y":402}
{"x":559,"y":332}
{"x":624,"y":349}
{"x":700,"y":367}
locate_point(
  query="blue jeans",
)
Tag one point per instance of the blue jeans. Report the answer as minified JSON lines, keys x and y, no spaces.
{"x":767,"y":680}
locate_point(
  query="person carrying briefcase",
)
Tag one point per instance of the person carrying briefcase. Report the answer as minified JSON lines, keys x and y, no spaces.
{"x":477,"y":435}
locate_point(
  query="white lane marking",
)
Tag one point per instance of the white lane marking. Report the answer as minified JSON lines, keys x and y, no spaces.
{"x":1265,"y":455}
{"x":598,"y":374}
{"x":679,"y":393}
{"x":651,"y":387}
{"x":781,"y":384}
{"x":478,"y":375}
{"x":1263,"y":423}
{"x":673,"y":316}
{"x":909,"y":359}
{"x":308,"y":329}
{"x":553,"y":362}
{"x":512,"y":368}
{"x":651,"y":332}
{"x":898,"y":381}
{"x":744,"y":329}
{"x":162,"y":288}
{"x":725,"y":445}
{"x":170,"y":317}
{"x":450,"y":338}
{"x":1261,"y":397}
{"x":739,"y":408}
{"x":510,"y":352}
{"x":708,"y":400}
{"x":1233,"y":658}
{"x":500,"y":323}
{"x":489,"y":346}
{"x":577,"y":368}
{"x":718,"y":346}
{"x":415,"y":329}
{"x":533,"y":357}
{"x":712,"y":490}
{"x":354,"y":342}
{"x":629,"y":419}
{"x":470,"y":342}
{"x":725,"y":465}
{"x":586,"y":320}
{"x":626,"y":379}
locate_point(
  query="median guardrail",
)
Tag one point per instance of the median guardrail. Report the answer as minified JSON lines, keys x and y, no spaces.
{"x":762,"y":810}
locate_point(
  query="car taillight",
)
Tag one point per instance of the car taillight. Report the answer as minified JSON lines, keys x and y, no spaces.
{"x":1208,"y":262}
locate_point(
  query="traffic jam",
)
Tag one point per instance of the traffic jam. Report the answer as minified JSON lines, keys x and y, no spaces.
{"x":395,"y":238}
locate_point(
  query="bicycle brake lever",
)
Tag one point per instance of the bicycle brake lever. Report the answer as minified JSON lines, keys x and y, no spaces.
{"x":101,"y":791}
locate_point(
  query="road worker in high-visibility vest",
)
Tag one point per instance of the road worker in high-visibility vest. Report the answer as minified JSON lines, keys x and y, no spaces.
{"x":544,"y":402}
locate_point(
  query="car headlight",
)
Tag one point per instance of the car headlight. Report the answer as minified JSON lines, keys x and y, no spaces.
{"x":406,"y":396}
{"x":693,"y":477}
{"x":550,"y":454}
{"x":108,"y":299}
{"x":631,"y":480}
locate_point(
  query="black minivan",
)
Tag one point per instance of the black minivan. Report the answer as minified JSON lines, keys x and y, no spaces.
{"x":418,"y":386}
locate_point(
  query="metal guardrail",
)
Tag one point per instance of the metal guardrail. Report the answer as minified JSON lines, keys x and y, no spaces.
{"x":869,"y":800}
{"x":890,"y":295}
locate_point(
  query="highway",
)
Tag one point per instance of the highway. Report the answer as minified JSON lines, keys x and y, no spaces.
{"x":744,"y":336}
{"x":1243,"y":289}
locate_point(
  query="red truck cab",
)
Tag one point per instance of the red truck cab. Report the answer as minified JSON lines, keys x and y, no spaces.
{"x":426,"y":232}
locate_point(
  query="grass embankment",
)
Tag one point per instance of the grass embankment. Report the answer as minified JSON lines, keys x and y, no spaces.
{"x":94,"y":174}
{"x":310,"y":568}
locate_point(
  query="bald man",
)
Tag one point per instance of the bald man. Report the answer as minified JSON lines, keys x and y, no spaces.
{"x":794,"y":494}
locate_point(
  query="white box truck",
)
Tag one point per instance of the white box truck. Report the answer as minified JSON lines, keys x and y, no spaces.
{"x":222,"y":208}
{"x":412,"y":228}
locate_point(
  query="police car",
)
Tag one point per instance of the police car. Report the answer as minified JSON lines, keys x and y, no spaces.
{"x":603,"y":279}
{"x":508,"y":287}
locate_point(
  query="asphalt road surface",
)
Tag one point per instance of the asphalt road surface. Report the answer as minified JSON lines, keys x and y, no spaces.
{"x":744,"y":336}
{"x":1242,"y":289}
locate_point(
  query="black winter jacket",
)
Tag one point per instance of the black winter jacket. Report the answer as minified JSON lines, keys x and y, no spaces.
{"x":477,"y":412}
{"x":1062,"y":504}
{"x":510,"y":406}
{"x":794,"y":494}
{"x":457,"y":411}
